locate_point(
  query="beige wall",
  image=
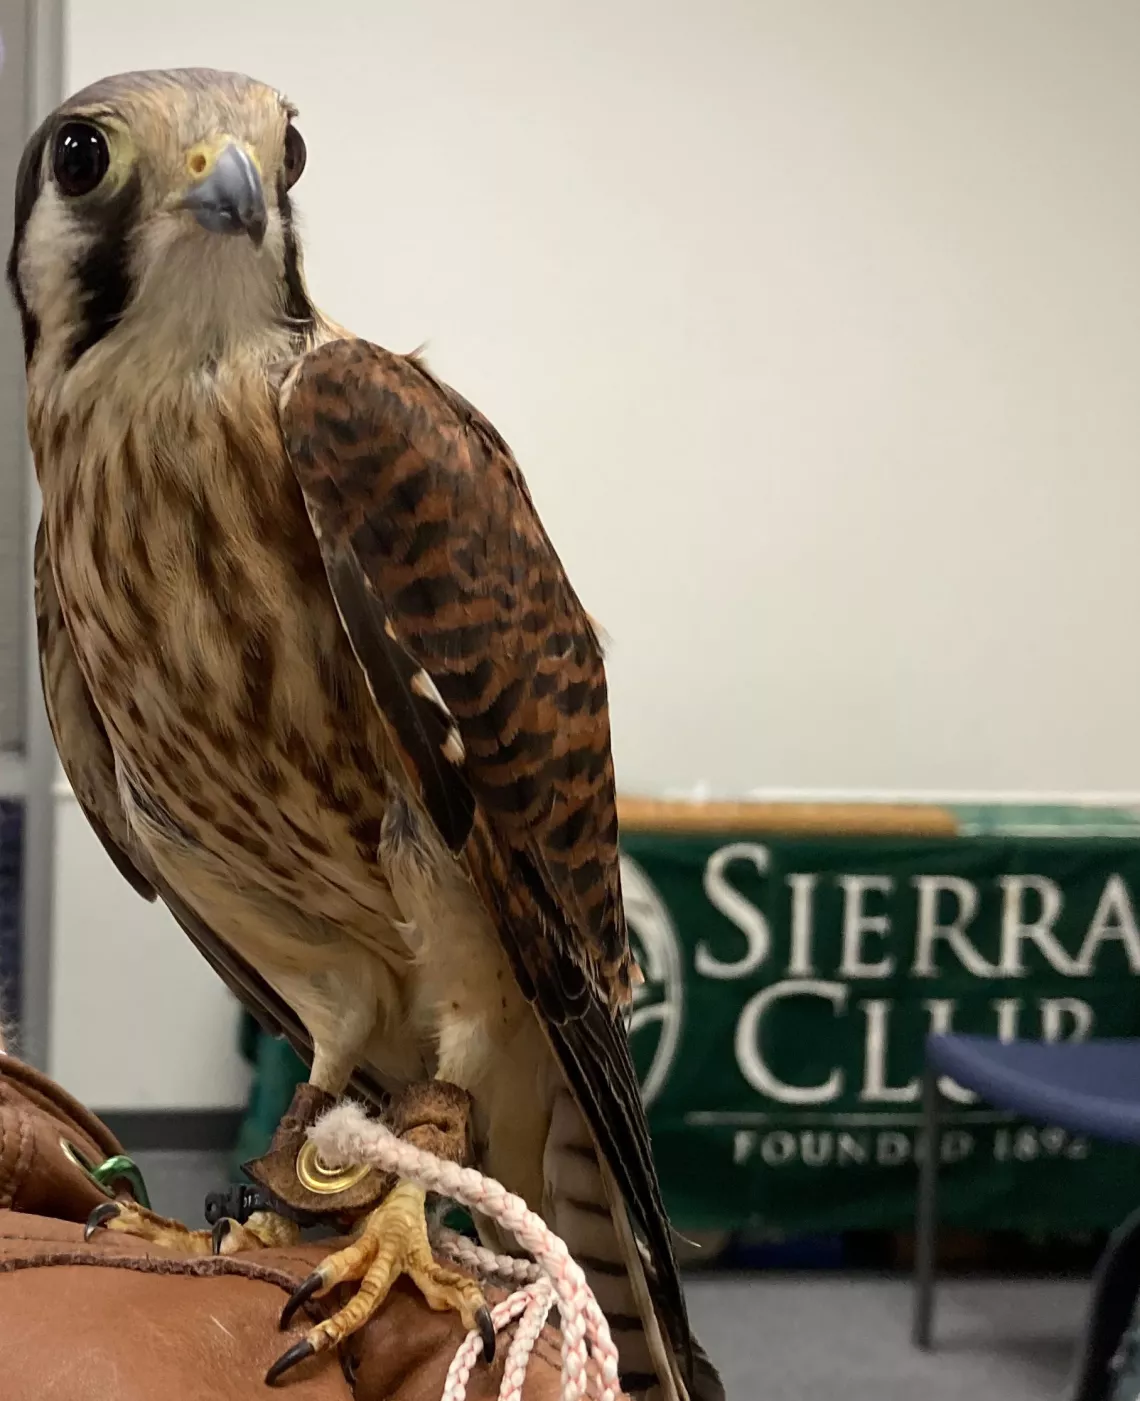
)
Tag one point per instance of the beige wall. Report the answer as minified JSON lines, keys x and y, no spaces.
{"x":816,"y":327}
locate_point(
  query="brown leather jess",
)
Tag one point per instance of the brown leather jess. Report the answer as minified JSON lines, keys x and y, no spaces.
{"x":117,"y":1319}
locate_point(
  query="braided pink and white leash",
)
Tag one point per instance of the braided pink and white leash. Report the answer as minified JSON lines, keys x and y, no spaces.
{"x":345,"y":1135}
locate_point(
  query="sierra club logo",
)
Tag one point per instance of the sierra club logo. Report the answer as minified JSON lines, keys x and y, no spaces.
{"x":658,"y":1009}
{"x":835,"y":951}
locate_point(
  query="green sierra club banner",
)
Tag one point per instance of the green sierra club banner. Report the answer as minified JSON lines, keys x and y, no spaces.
{"x":790,"y":983}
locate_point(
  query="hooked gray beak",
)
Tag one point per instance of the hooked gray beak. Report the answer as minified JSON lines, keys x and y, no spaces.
{"x":230,"y":198}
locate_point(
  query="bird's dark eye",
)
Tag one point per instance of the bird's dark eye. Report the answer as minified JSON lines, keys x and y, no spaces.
{"x":80,"y":158}
{"x":294,"y":156}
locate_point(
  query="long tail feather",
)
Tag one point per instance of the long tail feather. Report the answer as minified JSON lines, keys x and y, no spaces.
{"x":584,"y":1205}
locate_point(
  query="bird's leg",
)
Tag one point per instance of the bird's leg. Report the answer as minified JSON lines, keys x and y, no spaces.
{"x":393,"y":1239}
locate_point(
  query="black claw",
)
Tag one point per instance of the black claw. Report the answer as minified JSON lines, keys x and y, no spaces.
{"x":487,"y":1332}
{"x":99,"y":1217}
{"x":297,"y":1353}
{"x":301,"y":1295}
{"x":219,"y":1233}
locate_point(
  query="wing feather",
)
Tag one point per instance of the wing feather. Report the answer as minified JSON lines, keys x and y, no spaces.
{"x":423,"y":727}
{"x":430,"y":538}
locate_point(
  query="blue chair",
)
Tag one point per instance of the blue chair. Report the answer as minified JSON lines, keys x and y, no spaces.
{"x":1088,"y":1087}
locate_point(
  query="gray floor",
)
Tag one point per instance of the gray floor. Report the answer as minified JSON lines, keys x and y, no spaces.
{"x":779,"y":1337}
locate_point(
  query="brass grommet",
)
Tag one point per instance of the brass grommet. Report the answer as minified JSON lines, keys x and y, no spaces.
{"x":79,"y":1160}
{"x":325,"y":1181}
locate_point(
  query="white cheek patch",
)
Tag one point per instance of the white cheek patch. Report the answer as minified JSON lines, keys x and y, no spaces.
{"x":54,"y":243}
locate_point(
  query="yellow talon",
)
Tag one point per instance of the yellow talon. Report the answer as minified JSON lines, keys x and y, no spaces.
{"x":392,"y":1241}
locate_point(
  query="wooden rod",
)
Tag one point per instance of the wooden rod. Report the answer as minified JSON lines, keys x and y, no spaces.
{"x":790,"y":819}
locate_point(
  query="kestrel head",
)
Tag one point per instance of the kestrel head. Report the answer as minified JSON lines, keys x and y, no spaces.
{"x":152,"y":210}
